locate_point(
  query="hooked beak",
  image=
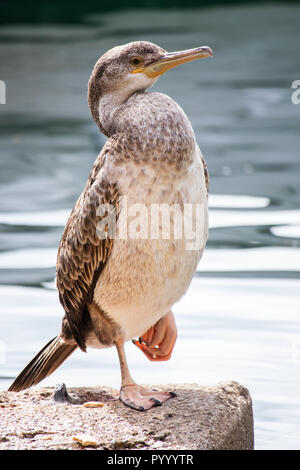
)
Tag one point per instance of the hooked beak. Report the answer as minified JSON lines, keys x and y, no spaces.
{"x":172,"y":59}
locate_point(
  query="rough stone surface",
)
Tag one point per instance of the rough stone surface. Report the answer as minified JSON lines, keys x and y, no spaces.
{"x":199,"y":418}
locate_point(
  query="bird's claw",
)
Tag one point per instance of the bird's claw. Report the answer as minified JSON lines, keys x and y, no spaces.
{"x":158,"y":342}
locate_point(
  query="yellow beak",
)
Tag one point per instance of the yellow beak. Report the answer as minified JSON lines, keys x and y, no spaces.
{"x":172,"y":59}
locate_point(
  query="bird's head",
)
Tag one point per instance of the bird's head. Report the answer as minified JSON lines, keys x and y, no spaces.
{"x":133,"y":67}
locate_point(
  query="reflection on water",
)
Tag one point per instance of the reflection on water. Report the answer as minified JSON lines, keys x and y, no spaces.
{"x":240,"y":318}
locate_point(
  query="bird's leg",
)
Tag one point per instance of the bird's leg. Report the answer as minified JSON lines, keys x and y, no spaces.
{"x":125,"y":374}
{"x":133,"y":395}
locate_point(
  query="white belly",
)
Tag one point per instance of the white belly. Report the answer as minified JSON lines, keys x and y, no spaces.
{"x":144,"y":277}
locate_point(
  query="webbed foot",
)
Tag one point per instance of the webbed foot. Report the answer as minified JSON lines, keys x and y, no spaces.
{"x":141,"y":399}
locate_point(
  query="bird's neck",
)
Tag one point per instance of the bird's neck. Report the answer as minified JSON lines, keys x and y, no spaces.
{"x":108,"y":110}
{"x":118,"y":100}
{"x":148,"y":126}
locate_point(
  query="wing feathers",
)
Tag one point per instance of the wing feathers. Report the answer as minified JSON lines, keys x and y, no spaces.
{"x":82,"y":254}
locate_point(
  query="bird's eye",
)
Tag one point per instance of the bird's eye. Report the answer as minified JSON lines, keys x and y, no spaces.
{"x":135,"y":61}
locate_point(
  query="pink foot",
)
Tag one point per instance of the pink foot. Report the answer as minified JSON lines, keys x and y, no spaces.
{"x":141,"y":398}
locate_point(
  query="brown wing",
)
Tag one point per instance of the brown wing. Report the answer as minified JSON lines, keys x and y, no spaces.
{"x":206,"y":174}
{"x":84,"y":249}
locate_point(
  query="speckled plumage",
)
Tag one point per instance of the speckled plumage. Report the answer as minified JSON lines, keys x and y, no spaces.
{"x":81,"y":257}
{"x":115,"y":289}
{"x":149,"y":157}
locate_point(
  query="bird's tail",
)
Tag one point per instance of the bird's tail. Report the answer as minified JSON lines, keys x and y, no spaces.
{"x":43,"y":364}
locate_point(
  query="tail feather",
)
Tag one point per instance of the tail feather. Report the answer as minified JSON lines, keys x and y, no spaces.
{"x":43,"y":364}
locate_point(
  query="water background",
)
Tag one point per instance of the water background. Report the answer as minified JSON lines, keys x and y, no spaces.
{"x":240,"y":318}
